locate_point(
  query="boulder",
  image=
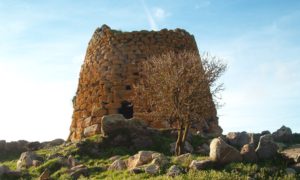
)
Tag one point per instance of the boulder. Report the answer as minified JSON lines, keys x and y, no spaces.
{"x":265,"y":132}
{"x":111,"y":123}
{"x":188,"y":148}
{"x":248,"y":153}
{"x":266,"y":149}
{"x":283,"y":134}
{"x":152,"y":169}
{"x":159,"y":159}
{"x":4,"y":170}
{"x":45,"y":175}
{"x":113,"y":158}
{"x":223,"y":153}
{"x":292,"y":154}
{"x":118,"y":164}
{"x":26,"y":160}
{"x":183,"y":158}
{"x":290,"y":171}
{"x":203,"y":149}
{"x":137,"y":170}
{"x":296,"y":167}
{"x":36,"y":163}
{"x":78,"y":170}
{"x":71,"y":161}
{"x":201,"y":165}
{"x":174,"y":170}
{"x":239,"y":139}
{"x":33,"y":146}
{"x":141,"y":158}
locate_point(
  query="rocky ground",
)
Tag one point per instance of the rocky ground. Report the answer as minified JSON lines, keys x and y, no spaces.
{"x":135,"y":151}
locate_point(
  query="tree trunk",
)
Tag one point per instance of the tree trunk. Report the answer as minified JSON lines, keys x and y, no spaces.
{"x":178,"y":147}
{"x":186,"y":131}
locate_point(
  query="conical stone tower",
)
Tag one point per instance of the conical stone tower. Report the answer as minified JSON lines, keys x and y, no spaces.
{"x":111,"y":67}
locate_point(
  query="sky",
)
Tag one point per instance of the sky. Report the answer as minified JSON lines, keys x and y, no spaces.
{"x":43,"y":44}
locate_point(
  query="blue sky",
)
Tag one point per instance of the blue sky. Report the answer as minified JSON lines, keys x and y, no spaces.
{"x":43,"y":43}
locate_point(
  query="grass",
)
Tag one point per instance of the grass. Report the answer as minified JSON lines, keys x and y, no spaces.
{"x":97,"y":165}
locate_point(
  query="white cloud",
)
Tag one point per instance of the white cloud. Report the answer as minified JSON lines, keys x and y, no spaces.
{"x":160,"y":13}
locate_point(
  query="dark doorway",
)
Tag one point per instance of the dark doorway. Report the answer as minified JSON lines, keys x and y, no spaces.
{"x":126,"y":109}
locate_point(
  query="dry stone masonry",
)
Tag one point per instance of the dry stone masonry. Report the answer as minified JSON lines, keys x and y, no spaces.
{"x":112,"y":66}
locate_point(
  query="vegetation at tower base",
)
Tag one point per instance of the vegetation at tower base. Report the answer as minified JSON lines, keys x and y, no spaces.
{"x":175,"y":87}
{"x":96,"y":158}
{"x":112,"y":65}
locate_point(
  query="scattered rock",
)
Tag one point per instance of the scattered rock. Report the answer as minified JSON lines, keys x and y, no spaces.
{"x":174,"y":170}
{"x":4,"y":170}
{"x":292,"y":154}
{"x":112,"y":159}
{"x":183,"y":158}
{"x":265,"y":132}
{"x":248,"y":153}
{"x":143,"y":157}
{"x":111,"y":123}
{"x":36,"y":163}
{"x":296,"y":167}
{"x":71,"y":162}
{"x":33,"y":146}
{"x":159,"y":159}
{"x":266,"y":148}
{"x":117,"y":165}
{"x":238,"y":139}
{"x":137,"y":170}
{"x":78,"y":170}
{"x":45,"y":175}
{"x":223,"y":153}
{"x":152,"y":169}
{"x":203,"y":149}
{"x":290,"y":171}
{"x":283,"y":134}
{"x":26,"y":160}
{"x":188,"y":148}
{"x":201,"y":165}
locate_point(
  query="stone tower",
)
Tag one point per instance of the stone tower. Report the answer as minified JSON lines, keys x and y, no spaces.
{"x":111,"y":67}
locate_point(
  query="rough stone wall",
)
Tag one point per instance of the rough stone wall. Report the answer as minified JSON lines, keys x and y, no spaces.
{"x":111,"y":67}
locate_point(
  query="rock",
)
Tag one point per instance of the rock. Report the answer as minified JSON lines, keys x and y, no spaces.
{"x":183,"y":158}
{"x":33,"y":146}
{"x":188,"y":148}
{"x":36,"y":163}
{"x":91,"y":130}
{"x":152,"y":169}
{"x":117,"y":165}
{"x":290,"y":171}
{"x":159,"y":159}
{"x":248,"y":153}
{"x":78,"y":170}
{"x":45,"y":175}
{"x":203,"y":149}
{"x":174,"y":170}
{"x":283,"y":134}
{"x":266,"y":147}
{"x":2,"y":146}
{"x":143,"y":157}
{"x":55,"y":142}
{"x":3,"y":170}
{"x":292,"y":154}
{"x":112,"y":159}
{"x":239,"y":139}
{"x":137,"y":170}
{"x":265,"y":132}
{"x":71,"y":162}
{"x":26,"y":160}
{"x":223,"y":153}
{"x":201,"y":165}
{"x":111,"y":123}
{"x":296,"y":167}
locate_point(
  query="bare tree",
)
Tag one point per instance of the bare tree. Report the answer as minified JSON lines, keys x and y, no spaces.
{"x":178,"y":88}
